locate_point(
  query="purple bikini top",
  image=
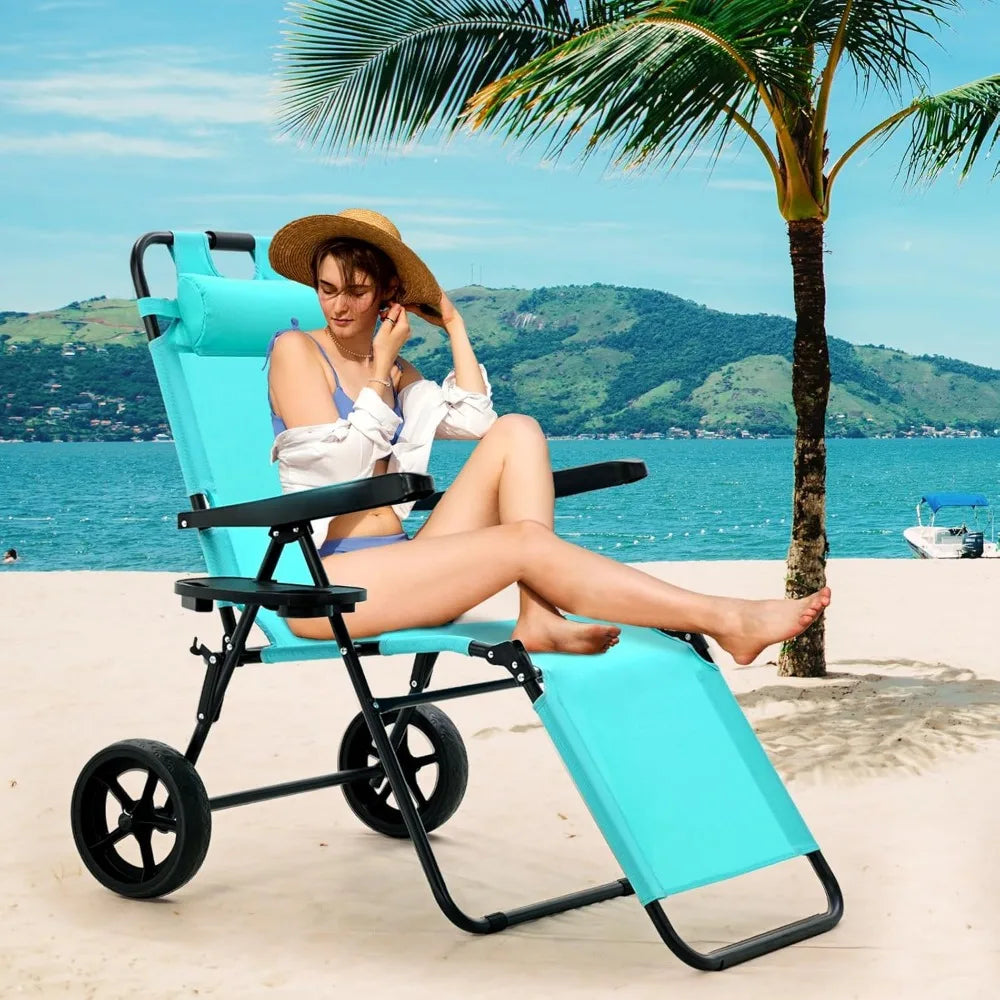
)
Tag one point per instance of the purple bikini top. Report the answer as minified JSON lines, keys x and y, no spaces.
{"x":341,"y":400}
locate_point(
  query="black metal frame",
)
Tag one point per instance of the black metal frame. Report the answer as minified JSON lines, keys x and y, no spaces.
{"x":287,"y":518}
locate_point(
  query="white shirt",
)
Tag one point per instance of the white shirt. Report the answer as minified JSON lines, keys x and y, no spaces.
{"x":323,"y":454}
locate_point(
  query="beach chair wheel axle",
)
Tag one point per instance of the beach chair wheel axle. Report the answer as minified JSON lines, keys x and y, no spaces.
{"x":433,"y":759}
{"x":141,"y":818}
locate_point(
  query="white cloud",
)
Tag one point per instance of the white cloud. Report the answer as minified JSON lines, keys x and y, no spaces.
{"x":429,"y":240}
{"x":44,"y":8}
{"x":742,"y":185}
{"x":350,"y":198}
{"x":509,"y":232}
{"x":179,"y":95}
{"x":414,"y":150}
{"x":423,"y":218}
{"x":22,"y":234}
{"x":439,"y":230}
{"x":103,"y":144}
{"x":163,"y":55}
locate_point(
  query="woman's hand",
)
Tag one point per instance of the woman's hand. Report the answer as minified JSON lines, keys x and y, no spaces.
{"x":388,"y":342}
{"x":448,"y":313}
{"x":467,"y":373}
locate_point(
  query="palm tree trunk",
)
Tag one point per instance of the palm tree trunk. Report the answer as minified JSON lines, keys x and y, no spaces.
{"x":806,"y":570}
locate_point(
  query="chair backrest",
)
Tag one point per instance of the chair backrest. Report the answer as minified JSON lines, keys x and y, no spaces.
{"x":209,"y":364}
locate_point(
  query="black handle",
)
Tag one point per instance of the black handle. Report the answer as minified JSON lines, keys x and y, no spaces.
{"x":239,"y":242}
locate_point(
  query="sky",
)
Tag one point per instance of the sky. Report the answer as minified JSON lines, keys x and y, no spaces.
{"x":118,"y":117}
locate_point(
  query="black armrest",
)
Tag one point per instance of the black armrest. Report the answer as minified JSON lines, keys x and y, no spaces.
{"x":598,"y":476}
{"x":579,"y":479}
{"x":307,"y":505}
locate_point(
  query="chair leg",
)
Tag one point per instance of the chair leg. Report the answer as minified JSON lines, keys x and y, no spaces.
{"x":218,"y":674}
{"x":420,"y":677}
{"x":491,"y":922}
{"x":759,"y":944}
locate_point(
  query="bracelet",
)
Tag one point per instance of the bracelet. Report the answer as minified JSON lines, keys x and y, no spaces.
{"x":382,"y":381}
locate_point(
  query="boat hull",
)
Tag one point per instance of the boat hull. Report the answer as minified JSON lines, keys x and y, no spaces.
{"x":927,"y":542}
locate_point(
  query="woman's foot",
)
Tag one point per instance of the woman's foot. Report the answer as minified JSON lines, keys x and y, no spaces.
{"x":752,"y":626}
{"x":551,"y":633}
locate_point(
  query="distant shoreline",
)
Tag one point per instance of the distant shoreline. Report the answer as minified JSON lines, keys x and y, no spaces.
{"x":708,"y":436}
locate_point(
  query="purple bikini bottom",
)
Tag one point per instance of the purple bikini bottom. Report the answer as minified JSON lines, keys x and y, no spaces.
{"x":333,"y":546}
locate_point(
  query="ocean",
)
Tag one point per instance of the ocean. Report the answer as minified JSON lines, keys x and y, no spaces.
{"x":113,"y":506}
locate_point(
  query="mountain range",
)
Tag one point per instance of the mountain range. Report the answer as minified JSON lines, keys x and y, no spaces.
{"x":593,"y":359}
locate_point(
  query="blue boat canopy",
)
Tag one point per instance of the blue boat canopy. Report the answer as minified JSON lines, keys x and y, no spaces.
{"x":938,"y":500}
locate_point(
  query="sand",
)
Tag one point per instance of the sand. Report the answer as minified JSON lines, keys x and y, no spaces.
{"x":894,"y":761}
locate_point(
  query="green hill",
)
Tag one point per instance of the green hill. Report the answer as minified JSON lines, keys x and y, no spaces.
{"x":592,"y":359}
{"x":94,"y":321}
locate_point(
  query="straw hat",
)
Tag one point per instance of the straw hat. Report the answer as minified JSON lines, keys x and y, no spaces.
{"x":293,"y":246}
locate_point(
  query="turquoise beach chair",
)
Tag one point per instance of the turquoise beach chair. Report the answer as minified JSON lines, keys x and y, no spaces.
{"x":666,"y":762}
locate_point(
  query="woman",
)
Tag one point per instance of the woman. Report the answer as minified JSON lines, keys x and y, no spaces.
{"x":346,"y":405}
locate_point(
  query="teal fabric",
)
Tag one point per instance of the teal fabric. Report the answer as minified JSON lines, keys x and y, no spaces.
{"x":658,"y":747}
{"x":218,"y":412}
{"x":661,"y":752}
{"x":454,"y":638}
{"x":668,"y":765}
{"x":150,"y":306}
{"x":192,"y":254}
{"x":262,"y":266}
{"x":231,"y":317}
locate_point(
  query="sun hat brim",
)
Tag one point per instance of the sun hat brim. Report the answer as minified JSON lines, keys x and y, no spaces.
{"x":292,"y":248}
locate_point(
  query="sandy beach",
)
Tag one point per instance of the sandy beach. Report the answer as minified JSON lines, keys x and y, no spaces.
{"x":893,"y":760}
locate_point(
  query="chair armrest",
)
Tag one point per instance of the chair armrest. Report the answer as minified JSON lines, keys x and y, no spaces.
{"x":307,"y":505}
{"x":579,"y":479}
{"x":598,"y":476}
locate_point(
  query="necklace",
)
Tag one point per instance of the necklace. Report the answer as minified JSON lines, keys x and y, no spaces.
{"x":350,"y":354}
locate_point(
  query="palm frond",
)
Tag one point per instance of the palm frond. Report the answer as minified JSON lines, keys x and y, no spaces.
{"x":953,"y":128}
{"x":362,"y":73}
{"x":879,"y":36}
{"x":653,"y":86}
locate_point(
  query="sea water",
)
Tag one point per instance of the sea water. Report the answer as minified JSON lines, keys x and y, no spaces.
{"x":113,"y":506}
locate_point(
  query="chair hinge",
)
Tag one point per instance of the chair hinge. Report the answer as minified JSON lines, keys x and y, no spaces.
{"x":513,"y":657}
{"x":200,"y":649}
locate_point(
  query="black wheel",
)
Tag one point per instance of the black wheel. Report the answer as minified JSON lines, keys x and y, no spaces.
{"x":433,"y":758}
{"x":141,"y":819}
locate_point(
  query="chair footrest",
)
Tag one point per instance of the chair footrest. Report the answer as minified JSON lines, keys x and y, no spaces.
{"x":289,"y":600}
{"x":668,"y":764}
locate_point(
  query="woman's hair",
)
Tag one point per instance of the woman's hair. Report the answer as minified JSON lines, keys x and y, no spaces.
{"x":356,"y":255}
{"x":11,"y":552}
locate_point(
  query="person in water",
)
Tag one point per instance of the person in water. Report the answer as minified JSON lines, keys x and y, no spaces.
{"x":10,"y":556}
{"x":345,"y":404}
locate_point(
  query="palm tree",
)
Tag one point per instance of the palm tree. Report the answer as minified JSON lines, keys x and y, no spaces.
{"x":652,"y":81}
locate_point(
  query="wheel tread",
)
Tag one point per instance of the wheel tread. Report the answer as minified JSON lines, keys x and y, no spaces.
{"x":194,"y":826}
{"x":453,"y":771}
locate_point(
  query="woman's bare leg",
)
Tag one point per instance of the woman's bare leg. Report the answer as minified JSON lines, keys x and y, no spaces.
{"x":508,"y":478}
{"x":428,"y":581}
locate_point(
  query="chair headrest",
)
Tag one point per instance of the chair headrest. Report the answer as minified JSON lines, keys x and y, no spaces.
{"x":234,"y":317}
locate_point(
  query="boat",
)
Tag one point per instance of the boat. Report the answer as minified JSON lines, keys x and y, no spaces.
{"x":958,"y":540}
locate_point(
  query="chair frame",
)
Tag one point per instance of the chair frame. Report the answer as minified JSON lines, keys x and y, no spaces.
{"x":287,"y":519}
